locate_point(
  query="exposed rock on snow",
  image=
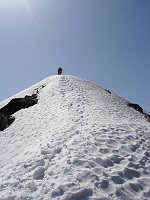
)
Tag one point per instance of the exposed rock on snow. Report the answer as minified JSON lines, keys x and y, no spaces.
{"x":79,"y":142}
{"x":5,"y":120}
{"x":13,"y":106}
{"x":140,"y":109}
{"x":136,"y":107}
{"x":108,"y":91}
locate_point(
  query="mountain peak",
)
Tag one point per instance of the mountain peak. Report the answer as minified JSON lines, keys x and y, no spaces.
{"x":79,"y":141}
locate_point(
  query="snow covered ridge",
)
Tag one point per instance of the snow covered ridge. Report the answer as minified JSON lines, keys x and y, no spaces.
{"x":79,"y":142}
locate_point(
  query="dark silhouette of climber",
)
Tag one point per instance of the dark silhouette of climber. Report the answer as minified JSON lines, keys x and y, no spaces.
{"x":60,"y":71}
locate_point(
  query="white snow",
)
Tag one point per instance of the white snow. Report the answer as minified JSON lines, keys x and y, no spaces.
{"x":79,"y":142}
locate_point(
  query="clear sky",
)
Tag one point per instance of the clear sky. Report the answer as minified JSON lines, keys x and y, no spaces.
{"x":104,"y":41}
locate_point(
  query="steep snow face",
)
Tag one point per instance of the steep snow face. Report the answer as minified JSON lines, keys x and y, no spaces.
{"x":78,"y":142}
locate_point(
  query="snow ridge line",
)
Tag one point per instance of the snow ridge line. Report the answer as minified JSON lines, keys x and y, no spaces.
{"x":71,"y":148}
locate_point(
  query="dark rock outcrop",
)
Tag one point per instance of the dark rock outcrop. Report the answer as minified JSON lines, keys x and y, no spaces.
{"x":5,"y":121}
{"x":139,"y":109}
{"x":108,"y":91}
{"x":136,"y":107}
{"x":147,"y":116}
{"x":13,"y":106}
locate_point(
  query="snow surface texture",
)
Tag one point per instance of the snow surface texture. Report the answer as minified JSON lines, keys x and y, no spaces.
{"x":79,"y":142}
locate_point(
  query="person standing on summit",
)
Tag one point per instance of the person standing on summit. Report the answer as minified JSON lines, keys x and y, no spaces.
{"x":60,"y":71}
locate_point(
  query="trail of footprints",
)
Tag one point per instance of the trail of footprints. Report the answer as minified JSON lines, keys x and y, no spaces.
{"x":112,"y":156}
{"x":107,"y":159}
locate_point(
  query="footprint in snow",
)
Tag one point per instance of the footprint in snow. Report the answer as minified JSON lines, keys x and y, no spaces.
{"x":104,"y":184}
{"x":79,"y":195}
{"x":117,"y":179}
{"x":39,"y":173}
{"x":129,"y":173}
{"x":136,"y":186}
{"x":104,"y":150}
{"x":134,"y":165}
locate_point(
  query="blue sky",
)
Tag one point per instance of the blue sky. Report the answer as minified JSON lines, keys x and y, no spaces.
{"x":104,"y":41}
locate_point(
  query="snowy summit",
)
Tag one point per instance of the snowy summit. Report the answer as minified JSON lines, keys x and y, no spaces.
{"x":78,"y":141}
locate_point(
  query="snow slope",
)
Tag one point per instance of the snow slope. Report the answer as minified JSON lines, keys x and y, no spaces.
{"x":79,"y":142}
